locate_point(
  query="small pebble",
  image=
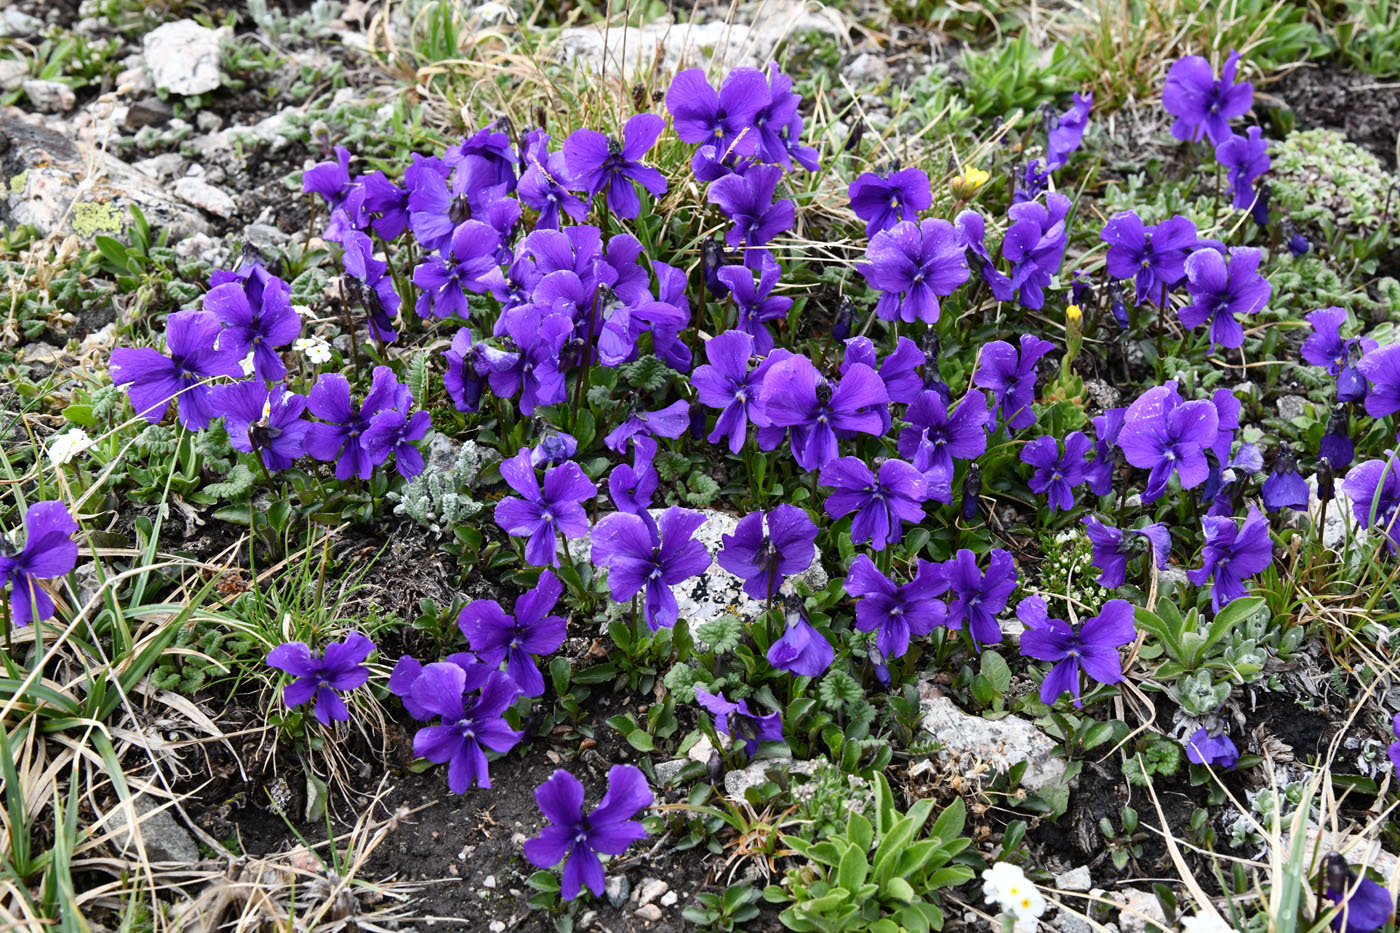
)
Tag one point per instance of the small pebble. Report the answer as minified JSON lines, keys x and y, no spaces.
{"x":650,"y":913}
{"x":669,"y":899}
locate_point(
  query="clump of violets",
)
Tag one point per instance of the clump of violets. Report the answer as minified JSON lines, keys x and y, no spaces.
{"x":1231,"y":554}
{"x":1092,"y":648}
{"x":153,"y":379}
{"x":740,"y":723}
{"x":768,"y":547}
{"x":1203,"y":104}
{"x":542,"y":513}
{"x":912,"y":267}
{"x":496,"y":637}
{"x":577,"y":839}
{"x":651,"y":557}
{"x":339,"y":669}
{"x":49,"y":551}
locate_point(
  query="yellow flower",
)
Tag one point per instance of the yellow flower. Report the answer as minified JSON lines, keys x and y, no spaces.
{"x":1073,"y":314}
{"x":969,"y":182}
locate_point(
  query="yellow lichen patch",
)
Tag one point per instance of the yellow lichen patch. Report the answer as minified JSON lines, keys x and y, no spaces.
{"x":19,"y":181}
{"x":90,"y":217}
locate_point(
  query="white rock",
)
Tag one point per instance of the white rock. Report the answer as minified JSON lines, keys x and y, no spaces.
{"x":616,"y":888}
{"x":669,"y":899}
{"x":1001,"y":743}
{"x":632,"y":52}
{"x":163,"y":838}
{"x":166,"y":165}
{"x":867,"y":69}
{"x":1076,"y":879}
{"x":49,"y":96}
{"x":183,"y":57}
{"x":12,"y":73}
{"x":1291,"y":406}
{"x":755,"y":774}
{"x":666,"y":771}
{"x":650,"y":913}
{"x":205,"y":197}
{"x":650,"y":889}
{"x":1141,"y":913}
{"x":13,"y":22}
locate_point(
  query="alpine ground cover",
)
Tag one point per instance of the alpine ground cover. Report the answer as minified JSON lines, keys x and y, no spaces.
{"x":912,"y":468}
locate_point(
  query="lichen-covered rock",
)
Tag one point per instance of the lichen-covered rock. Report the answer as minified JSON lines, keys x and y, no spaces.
{"x":183,"y":57}
{"x":999,"y":743}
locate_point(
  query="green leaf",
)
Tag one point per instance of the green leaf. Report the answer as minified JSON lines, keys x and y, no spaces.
{"x":853,"y":870}
{"x":859,"y":831}
{"x":995,"y":669}
{"x":640,"y":740}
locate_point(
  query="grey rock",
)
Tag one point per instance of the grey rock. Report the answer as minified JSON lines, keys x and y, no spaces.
{"x":208,"y":121}
{"x":616,"y":889}
{"x":755,"y":774}
{"x":183,"y":57}
{"x":13,"y":71}
{"x":1141,"y":912}
{"x":49,"y":173}
{"x":585,"y":922}
{"x":148,"y":111}
{"x":1076,"y":879}
{"x":650,"y":913}
{"x":49,"y":96}
{"x":164,"y":839}
{"x":650,"y":889}
{"x":13,"y":22}
{"x":1101,"y":394}
{"x":205,"y":197}
{"x":867,"y":69}
{"x":135,"y":79}
{"x":265,"y":237}
{"x":1001,"y":743}
{"x":1291,"y":406}
{"x":666,"y":771}
{"x":1066,"y":922}
{"x":201,"y":245}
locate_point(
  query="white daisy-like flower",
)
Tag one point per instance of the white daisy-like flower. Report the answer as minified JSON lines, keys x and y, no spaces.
{"x":1007,"y":886}
{"x":68,"y":445}
{"x":314,"y":349}
{"x":302,"y":310}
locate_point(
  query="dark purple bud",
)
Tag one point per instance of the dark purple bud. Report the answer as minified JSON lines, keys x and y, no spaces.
{"x":853,"y":140}
{"x":1260,"y":210}
{"x":697,"y":421}
{"x":1326,"y":490}
{"x":540,"y":117}
{"x":971,"y":489}
{"x":715,"y":766}
{"x":1339,"y":874}
{"x":639,"y":97}
{"x":845,"y":315}
{"x":1116,"y":305}
{"x":459,"y":212}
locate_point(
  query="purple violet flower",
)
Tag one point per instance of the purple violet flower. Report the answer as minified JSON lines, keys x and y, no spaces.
{"x":1066,"y":131}
{"x":631,"y":487}
{"x":547,"y":186}
{"x":725,"y":383}
{"x":1221,"y":290}
{"x":642,"y":555}
{"x":882,"y":503}
{"x":578,"y":840}
{"x":1214,"y":750}
{"x":597,"y":162}
{"x":1035,"y":246}
{"x":671,"y":421}
{"x":723,"y":119}
{"x":394,"y":431}
{"x":540,"y":514}
{"x":1326,"y":348}
{"x":756,"y":303}
{"x":896,"y":612}
{"x":747,"y":200}
{"x":884,"y":202}
{"x":978,"y":597}
{"x":1285,"y":487}
{"x":1163,"y":434}
{"x":913,"y":266}
{"x":763,"y":560}
{"x":1092,"y":649}
{"x":257,"y":330}
{"x":1153,"y":257}
{"x":153,"y":379}
{"x":1056,"y":475}
{"x":939,"y":433}
{"x":469,"y":266}
{"x":533,"y":369}
{"x":340,"y":668}
{"x":1365,"y":905}
{"x":340,"y":440}
{"x":1203,"y":104}
{"x":1232,"y":553}
{"x":802,"y":650}
{"x":49,"y":551}
{"x":468,"y":727}
{"x":264,"y":421}
{"x":795,"y":396}
{"x":738,"y":722}
{"x":1373,"y":487}
{"x":1381,"y":367}
{"x":1010,"y":376}
{"x":466,"y":371}
{"x":1245,"y":158}
{"x":497,"y":637}
{"x":1113,"y":547}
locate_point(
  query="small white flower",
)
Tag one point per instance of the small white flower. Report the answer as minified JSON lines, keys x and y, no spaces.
{"x":1204,"y":923}
{"x":303,"y":310}
{"x":247,"y":364}
{"x":68,"y":445}
{"x":1006,"y":885}
{"x":314,"y":349}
